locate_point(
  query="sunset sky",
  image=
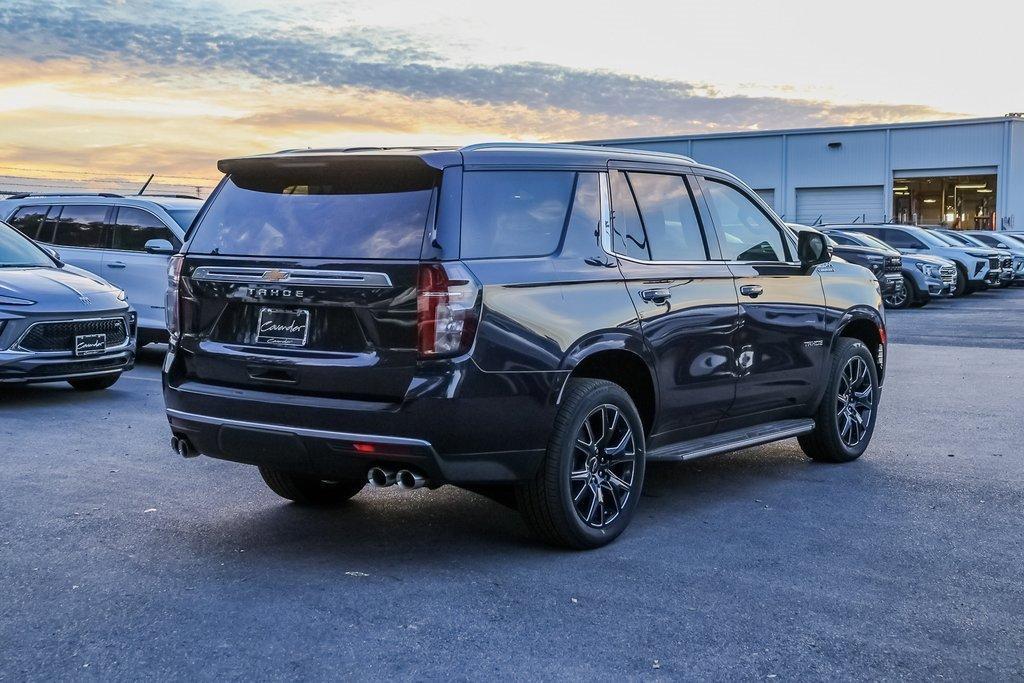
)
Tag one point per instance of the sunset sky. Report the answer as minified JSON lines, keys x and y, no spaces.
{"x":125,"y":87}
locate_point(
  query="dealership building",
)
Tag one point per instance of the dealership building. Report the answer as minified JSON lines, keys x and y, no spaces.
{"x":965,"y":174}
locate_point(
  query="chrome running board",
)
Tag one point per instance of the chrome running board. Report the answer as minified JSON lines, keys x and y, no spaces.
{"x":733,"y":440}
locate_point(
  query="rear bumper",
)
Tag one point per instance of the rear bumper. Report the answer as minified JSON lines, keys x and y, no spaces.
{"x":457,"y":424}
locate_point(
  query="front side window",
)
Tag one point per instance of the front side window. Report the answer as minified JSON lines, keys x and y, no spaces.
{"x":514,"y":213}
{"x":903,"y":240}
{"x":669,"y":218}
{"x":134,"y":227}
{"x":745,"y":232}
{"x":81,"y":226}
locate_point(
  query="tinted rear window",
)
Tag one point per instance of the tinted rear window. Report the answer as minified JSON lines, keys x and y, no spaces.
{"x":514,"y":213}
{"x":362,"y":211}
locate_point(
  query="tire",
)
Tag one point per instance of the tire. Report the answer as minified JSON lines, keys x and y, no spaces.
{"x":961,"y":282}
{"x":305,"y":489}
{"x":909,"y":296}
{"x":832,"y":440}
{"x":575,"y":501}
{"x":94,"y":383}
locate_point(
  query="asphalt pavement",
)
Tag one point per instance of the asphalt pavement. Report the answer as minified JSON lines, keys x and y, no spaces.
{"x":120,"y":560}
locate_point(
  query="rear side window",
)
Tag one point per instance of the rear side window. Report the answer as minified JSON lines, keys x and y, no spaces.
{"x":669,"y":217}
{"x":81,"y":226}
{"x":514,"y":213}
{"x":360,"y":209}
{"x":31,"y":222}
{"x":628,"y":237}
{"x":134,"y":227}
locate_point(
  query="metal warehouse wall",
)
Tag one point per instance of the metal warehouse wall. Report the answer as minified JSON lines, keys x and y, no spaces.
{"x":867,"y":160}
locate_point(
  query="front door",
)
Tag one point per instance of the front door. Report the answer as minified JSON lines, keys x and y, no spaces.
{"x":686,"y":302}
{"x":781,"y":342}
{"x":141,"y":275}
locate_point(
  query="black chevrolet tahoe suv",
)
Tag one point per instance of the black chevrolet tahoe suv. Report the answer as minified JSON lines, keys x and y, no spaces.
{"x":531,"y":322}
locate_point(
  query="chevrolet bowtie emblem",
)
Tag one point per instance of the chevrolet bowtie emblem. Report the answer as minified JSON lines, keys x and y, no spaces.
{"x":275,"y":275}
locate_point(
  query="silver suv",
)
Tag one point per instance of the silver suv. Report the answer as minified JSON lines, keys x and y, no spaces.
{"x":124,"y":240}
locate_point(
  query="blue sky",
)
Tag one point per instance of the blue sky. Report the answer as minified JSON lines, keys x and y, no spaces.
{"x":176,"y":84}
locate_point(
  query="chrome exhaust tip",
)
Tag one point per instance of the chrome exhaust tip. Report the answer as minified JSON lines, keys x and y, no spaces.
{"x":183,"y":448}
{"x":409,"y":480}
{"x":380,"y":477}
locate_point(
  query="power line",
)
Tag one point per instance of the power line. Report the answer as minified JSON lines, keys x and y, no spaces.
{"x":104,"y":174}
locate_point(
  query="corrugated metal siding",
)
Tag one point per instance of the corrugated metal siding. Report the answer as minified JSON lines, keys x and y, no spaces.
{"x":947,"y":146}
{"x":839,"y":204}
{"x":767,"y":196}
{"x":755,"y":161}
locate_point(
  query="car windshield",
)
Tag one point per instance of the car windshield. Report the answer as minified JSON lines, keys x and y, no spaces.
{"x":183,"y":217}
{"x":960,"y":240}
{"x":17,"y":251}
{"x":935,"y":239}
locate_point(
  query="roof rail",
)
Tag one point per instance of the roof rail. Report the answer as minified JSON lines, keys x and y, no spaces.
{"x":165,"y":195}
{"x":583,"y":148}
{"x":24,"y":195}
{"x":336,"y":150}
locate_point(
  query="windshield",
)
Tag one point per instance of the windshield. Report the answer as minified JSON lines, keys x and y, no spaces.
{"x":362,"y":211}
{"x":958,"y":240}
{"x":17,"y":250}
{"x":869,"y":241}
{"x":935,"y":239}
{"x":183,"y":217}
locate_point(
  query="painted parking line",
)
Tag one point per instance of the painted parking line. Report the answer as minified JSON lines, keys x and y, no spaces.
{"x":139,"y":377}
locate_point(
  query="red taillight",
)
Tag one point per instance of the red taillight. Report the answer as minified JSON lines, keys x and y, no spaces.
{"x":447,"y":309}
{"x":172,"y":309}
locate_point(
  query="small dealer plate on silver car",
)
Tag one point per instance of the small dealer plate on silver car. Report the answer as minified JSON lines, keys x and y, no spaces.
{"x":90,"y":344}
{"x":283,"y":327}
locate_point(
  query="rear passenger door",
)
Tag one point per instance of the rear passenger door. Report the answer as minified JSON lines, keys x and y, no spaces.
{"x":81,"y":235}
{"x":781,"y":342}
{"x":141,"y":275}
{"x":683,"y":294}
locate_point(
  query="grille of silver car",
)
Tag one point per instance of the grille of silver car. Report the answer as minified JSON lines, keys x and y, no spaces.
{"x":993,"y":263}
{"x":1007,"y":262}
{"x":60,"y":336}
{"x":894,"y":264}
{"x":948,"y":274}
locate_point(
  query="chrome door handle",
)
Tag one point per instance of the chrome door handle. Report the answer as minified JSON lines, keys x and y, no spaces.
{"x":657,"y":296}
{"x":753,"y":291}
{"x":116,"y":264}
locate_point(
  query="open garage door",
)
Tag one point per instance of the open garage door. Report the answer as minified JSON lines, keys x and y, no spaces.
{"x":839,"y":204}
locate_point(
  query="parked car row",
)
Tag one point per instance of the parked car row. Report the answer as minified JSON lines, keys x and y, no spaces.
{"x":78,"y":314}
{"x":928,"y":262}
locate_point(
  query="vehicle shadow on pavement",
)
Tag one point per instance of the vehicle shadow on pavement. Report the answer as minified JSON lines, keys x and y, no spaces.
{"x":425,"y":527}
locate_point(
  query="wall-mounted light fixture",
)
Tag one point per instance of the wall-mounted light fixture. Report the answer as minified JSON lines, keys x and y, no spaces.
{"x":835,"y":145}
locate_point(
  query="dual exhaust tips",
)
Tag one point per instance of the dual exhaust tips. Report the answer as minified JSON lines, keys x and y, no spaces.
{"x":405,"y":479}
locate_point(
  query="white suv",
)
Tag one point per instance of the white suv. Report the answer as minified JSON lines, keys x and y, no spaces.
{"x":124,"y":240}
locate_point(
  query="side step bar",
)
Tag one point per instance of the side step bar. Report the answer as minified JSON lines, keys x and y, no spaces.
{"x":732,"y":441}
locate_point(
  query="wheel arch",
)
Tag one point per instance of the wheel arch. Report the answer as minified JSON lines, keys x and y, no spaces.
{"x":621,"y":358}
{"x":868,"y":326}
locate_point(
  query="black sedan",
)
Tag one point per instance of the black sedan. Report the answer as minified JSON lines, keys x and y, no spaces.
{"x":57,"y":322}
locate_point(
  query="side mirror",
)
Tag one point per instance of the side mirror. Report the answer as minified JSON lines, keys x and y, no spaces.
{"x":812,"y":248}
{"x":55,"y":255}
{"x":158,"y":247}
